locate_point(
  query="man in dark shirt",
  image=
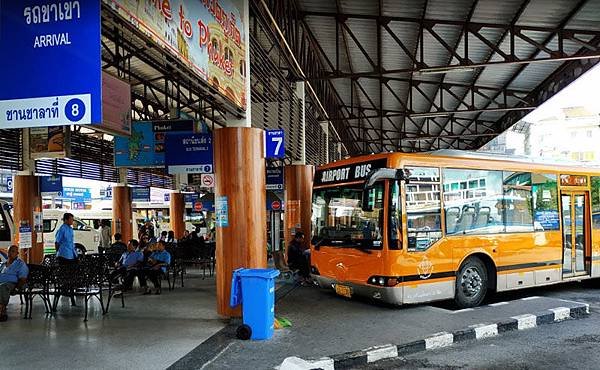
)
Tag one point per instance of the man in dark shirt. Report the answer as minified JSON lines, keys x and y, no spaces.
{"x":297,"y":259}
{"x":118,"y":247}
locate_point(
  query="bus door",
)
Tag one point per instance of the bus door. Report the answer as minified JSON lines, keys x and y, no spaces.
{"x":576,"y":233}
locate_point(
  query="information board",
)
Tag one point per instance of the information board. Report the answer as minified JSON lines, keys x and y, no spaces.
{"x":51,"y":186}
{"x":189,"y":153}
{"x":222,"y":211}
{"x":274,"y":144}
{"x":51,"y":63}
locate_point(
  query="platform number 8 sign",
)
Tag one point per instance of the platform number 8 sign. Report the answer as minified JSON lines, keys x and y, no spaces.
{"x":75,"y":110}
{"x":274,"y":144}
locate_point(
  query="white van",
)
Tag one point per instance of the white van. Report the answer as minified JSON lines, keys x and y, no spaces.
{"x":86,"y":238}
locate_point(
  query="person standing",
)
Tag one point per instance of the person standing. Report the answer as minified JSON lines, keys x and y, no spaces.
{"x":105,"y":235}
{"x":13,"y":274}
{"x":65,"y":243}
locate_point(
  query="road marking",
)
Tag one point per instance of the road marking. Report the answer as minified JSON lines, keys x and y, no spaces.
{"x":526,"y":321}
{"x":382,"y":352}
{"x":439,"y":340}
{"x":561,"y":313}
{"x":463,"y":310}
{"x":498,"y":304}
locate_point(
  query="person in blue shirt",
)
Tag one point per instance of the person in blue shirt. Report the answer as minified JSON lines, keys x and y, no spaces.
{"x":13,"y":274}
{"x":64,"y":242}
{"x":158,"y":262}
{"x":129,"y":264}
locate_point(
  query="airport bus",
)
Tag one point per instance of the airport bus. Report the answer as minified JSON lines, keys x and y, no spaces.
{"x":411,"y":228}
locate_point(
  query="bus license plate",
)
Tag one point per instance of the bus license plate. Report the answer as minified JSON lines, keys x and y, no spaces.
{"x":344,"y":291}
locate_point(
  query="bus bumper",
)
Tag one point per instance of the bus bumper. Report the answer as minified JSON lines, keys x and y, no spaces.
{"x":385,"y":294}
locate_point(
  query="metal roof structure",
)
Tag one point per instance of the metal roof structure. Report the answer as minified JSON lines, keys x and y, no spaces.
{"x":422,"y":75}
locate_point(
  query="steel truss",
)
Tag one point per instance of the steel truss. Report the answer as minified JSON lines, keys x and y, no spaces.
{"x":455,"y":114}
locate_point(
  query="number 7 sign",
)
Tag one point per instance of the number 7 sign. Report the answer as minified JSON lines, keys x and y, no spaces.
{"x":274,"y":144}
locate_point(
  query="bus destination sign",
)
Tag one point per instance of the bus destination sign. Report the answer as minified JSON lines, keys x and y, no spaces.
{"x":348,"y":173}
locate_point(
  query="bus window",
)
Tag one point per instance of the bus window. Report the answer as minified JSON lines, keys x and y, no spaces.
{"x":395,"y":211}
{"x":338,"y":219}
{"x":595,"y":180}
{"x":4,"y":228}
{"x":423,"y":208}
{"x":517,"y":204}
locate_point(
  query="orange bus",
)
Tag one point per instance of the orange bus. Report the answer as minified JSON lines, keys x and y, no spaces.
{"x":411,"y":228}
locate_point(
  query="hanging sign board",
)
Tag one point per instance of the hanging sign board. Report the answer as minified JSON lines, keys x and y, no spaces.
{"x":189,"y":153}
{"x":51,"y":186}
{"x":116,"y":106}
{"x":274,"y":144}
{"x":77,"y":195}
{"x":146,"y":145}
{"x":140,"y":194}
{"x":49,"y":142}
{"x":274,"y":178}
{"x":208,"y":36}
{"x":54,"y":75}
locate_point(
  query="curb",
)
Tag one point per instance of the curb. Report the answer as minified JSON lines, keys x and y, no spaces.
{"x":435,"y":341}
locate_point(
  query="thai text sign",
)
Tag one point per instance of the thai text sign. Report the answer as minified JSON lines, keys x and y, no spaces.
{"x":189,"y":153}
{"x":51,"y":63}
{"x":207,"y":35}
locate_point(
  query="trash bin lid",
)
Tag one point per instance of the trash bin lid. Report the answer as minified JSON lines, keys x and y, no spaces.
{"x":262,"y":273}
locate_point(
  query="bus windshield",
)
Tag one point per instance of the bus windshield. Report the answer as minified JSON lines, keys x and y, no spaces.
{"x":338,"y":218}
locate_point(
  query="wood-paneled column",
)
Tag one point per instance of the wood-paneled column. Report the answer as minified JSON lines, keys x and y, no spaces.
{"x":240,"y":177}
{"x":177,"y":214}
{"x":122,"y":212}
{"x":298,"y":201}
{"x":26,"y":200}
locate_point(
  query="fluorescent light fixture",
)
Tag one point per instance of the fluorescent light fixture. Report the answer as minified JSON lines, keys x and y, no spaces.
{"x":430,"y":114}
{"x":443,"y":70}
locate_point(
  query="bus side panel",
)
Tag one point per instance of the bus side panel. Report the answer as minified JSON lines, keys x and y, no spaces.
{"x":595,"y":251}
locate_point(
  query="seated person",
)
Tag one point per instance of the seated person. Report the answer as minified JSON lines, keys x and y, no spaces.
{"x":118,"y":247}
{"x":129,"y":264}
{"x":297,"y":258}
{"x":13,"y":274}
{"x":157,"y":265}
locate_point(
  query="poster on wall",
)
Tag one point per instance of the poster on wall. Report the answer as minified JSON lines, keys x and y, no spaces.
{"x":54,"y":75}
{"x":146,"y":145}
{"x":49,"y":142}
{"x":208,"y":36}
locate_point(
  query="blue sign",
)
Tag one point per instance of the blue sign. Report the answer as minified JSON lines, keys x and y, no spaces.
{"x":146,"y":145}
{"x":140,"y":194}
{"x":274,"y":144}
{"x":549,"y":220}
{"x":207,"y":205}
{"x":189,"y":153}
{"x":9,"y":184}
{"x":274,"y":178}
{"x":77,"y":195}
{"x":54,"y":74}
{"x":222,"y":211}
{"x":51,"y":185}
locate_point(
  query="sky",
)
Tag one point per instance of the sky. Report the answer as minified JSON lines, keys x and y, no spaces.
{"x":581,"y":92}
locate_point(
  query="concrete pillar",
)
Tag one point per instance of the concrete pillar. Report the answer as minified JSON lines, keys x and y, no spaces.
{"x":298,"y":200}
{"x":122,"y":212}
{"x":240,"y":177}
{"x":26,"y":200}
{"x":177,"y":214}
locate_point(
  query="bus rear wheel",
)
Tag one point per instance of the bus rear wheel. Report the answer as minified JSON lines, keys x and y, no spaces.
{"x":471,"y":283}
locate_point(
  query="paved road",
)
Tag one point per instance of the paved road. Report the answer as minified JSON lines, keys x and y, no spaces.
{"x":573,"y":344}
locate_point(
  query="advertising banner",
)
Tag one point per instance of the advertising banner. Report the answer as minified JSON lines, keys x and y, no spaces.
{"x":146,"y":146}
{"x":54,"y":75}
{"x":189,"y":153}
{"x":206,"y":35}
{"x":222,"y":211}
{"x":116,"y":106}
{"x":49,"y":142}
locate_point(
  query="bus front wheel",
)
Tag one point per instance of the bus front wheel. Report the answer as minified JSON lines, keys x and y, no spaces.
{"x":471,"y":283}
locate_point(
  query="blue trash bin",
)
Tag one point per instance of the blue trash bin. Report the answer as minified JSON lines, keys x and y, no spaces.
{"x":255,"y":290}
